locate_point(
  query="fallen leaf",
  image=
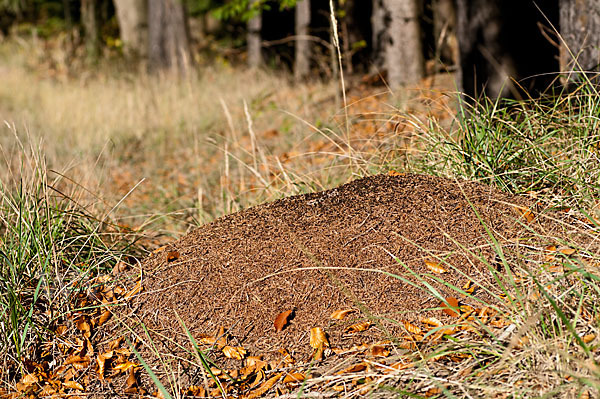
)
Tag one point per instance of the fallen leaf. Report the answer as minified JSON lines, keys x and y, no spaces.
{"x":73,"y":385}
{"x":131,"y":379}
{"x":125,"y":366}
{"x":589,"y":338}
{"x":353,"y":369}
{"x":234,"y":352}
{"x":435,"y":267}
{"x":172,"y":256}
{"x":411,"y":328}
{"x":101,"y":360}
{"x":379,"y":351}
{"x":358,"y":327}
{"x":282,"y":320}
{"x":104,"y":317}
{"x":432,"y":321}
{"x":265,"y":386}
{"x":30,"y":379}
{"x":567,"y":251}
{"x":287,"y":358}
{"x":453,"y":302}
{"x":525,"y":213}
{"x":341,"y":314}
{"x":294,"y":377}
{"x":394,"y":173}
{"x":135,"y":290}
{"x":318,"y":338}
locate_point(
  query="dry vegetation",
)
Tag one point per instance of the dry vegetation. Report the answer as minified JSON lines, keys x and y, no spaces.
{"x":99,"y":167}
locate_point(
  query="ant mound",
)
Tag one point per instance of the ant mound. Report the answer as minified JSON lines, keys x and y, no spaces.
{"x":390,"y":248}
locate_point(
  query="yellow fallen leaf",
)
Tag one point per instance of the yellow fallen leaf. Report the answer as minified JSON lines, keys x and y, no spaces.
{"x":341,"y":314}
{"x":432,"y":321}
{"x":358,"y":327}
{"x":125,"y":366}
{"x":234,"y":352}
{"x":265,"y":386}
{"x":568,"y":251}
{"x":73,"y":385}
{"x":435,"y":267}
{"x":294,"y":377}
{"x":318,"y":338}
{"x":411,"y":327}
{"x":353,"y":369}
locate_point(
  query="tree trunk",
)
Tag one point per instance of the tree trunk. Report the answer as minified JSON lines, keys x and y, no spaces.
{"x":580,"y":30}
{"x":168,"y":47}
{"x":444,"y":31}
{"x":254,"y":40}
{"x":403,"y":51}
{"x":90,"y":22}
{"x":302,"y":53}
{"x":380,"y":30}
{"x":133,"y":26}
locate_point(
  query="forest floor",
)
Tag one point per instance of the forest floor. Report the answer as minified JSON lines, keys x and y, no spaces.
{"x":105,"y":168}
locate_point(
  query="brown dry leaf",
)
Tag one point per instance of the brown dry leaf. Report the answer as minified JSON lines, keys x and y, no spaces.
{"x":172,"y":256}
{"x":469,"y":287}
{"x":589,"y":338}
{"x":411,"y":328}
{"x":567,"y":251}
{"x":125,"y":366}
{"x":526,"y":213}
{"x":131,"y":378}
{"x":356,"y":368}
{"x":265,"y":386}
{"x":30,"y":379}
{"x":83,"y":326}
{"x":234,"y":352}
{"x":432,"y":321}
{"x":294,"y":377}
{"x":318,"y":354}
{"x":400,"y":365}
{"x":318,"y":338}
{"x":358,"y":327}
{"x":435,"y":267}
{"x":78,"y":362}
{"x":453,"y":302}
{"x":101,"y":360}
{"x":379,"y":351}
{"x":282,"y":320}
{"x":551,"y":248}
{"x":119,"y":268}
{"x":394,"y":173}
{"x":221,"y":337}
{"x":135,"y":290}
{"x":206,"y":339}
{"x":196,"y":390}
{"x":73,"y":385}
{"x":287,"y":358}
{"x":341,"y":314}
{"x":104,"y":317}
{"x":433,"y":391}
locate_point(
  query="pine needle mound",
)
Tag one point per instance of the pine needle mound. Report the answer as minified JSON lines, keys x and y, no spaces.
{"x":372,"y":245}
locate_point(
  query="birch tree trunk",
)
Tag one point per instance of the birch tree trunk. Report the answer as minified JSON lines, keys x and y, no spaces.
{"x":132,"y":16}
{"x":580,"y":30}
{"x":168,"y":47}
{"x":253,"y":40}
{"x":302,"y":50}
{"x":403,"y":51}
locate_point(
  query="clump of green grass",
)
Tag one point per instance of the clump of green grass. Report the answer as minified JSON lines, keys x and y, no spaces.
{"x":50,"y":246}
{"x":549,"y":145}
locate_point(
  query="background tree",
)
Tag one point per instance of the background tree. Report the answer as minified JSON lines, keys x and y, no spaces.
{"x":168,"y":40}
{"x":580,"y":30}
{"x":253,"y":38}
{"x":302,"y":49}
{"x":91,"y":26}
{"x":132,"y":16}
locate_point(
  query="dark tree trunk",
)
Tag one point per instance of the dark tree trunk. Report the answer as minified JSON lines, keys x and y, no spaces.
{"x":580,"y":30}
{"x":302,"y":50}
{"x":502,"y":48}
{"x":254,"y":40}
{"x":132,"y":16}
{"x":90,"y":21}
{"x":444,"y":31}
{"x":168,"y":47}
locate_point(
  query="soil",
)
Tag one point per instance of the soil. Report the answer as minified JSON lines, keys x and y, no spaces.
{"x":362,"y":245}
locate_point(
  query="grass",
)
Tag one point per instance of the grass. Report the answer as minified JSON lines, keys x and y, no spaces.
{"x":102,"y":167}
